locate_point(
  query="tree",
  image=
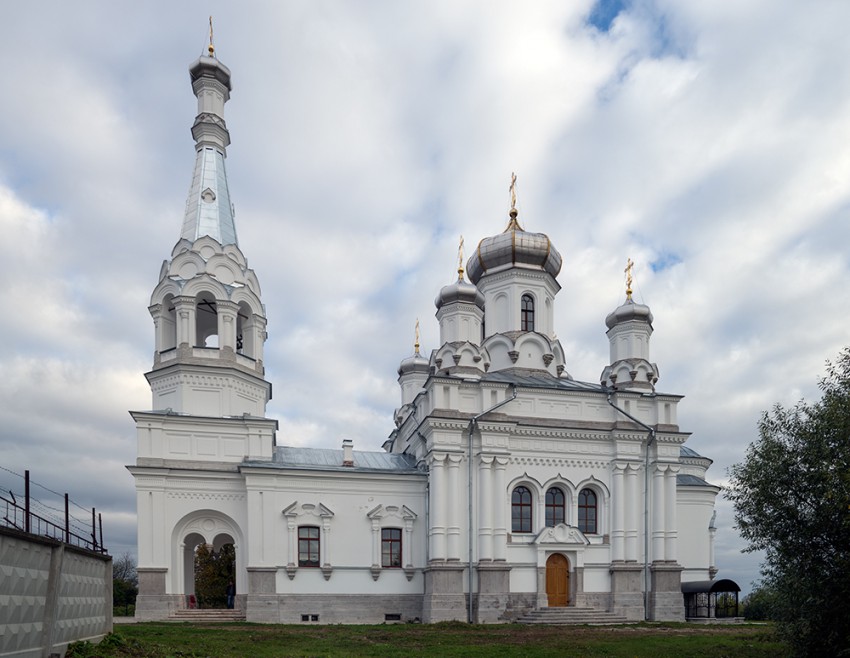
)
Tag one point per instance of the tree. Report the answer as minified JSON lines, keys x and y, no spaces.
{"x":792,"y":500}
{"x":213,"y":571}
{"x":125,"y":582}
{"x":124,"y":568}
{"x":758,"y":604}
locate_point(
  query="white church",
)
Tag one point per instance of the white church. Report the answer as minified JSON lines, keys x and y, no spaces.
{"x":505,"y":488}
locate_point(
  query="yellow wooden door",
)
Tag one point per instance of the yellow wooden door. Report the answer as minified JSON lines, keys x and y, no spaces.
{"x":558,"y":581}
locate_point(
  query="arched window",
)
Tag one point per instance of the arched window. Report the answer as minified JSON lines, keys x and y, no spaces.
{"x":521,"y":510}
{"x":587,"y":511}
{"x":308,"y":546}
{"x":555,"y":508}
{"x":206,"y":320}
{"x":527,"y":313}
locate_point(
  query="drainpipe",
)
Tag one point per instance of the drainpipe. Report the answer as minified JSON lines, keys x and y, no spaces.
{"x":650,"y":439}
{"x":473,"y":421}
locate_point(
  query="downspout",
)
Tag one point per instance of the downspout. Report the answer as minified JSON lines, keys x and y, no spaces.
{"x":649,"y":441}
{"x":472,"y":422}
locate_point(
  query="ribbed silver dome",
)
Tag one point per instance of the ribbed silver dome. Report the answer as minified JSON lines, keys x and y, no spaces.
{"x":514,"y":247}
{"x":414,"y":364}
{"x":629,"y":311}
{"x":460,"y":291}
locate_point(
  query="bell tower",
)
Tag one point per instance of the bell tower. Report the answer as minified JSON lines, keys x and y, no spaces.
{"x":209,"y":320}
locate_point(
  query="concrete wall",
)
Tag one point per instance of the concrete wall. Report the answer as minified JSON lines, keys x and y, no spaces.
{"x":50,"y":595}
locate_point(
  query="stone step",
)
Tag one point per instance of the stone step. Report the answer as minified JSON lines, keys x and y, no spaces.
{"x":207,"y":615}
{"x":570,"y":615}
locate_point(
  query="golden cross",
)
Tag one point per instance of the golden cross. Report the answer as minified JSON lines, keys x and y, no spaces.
{"x":211,"y":47}
{"x":416,"y":344}
{"x":513,"y":191}
{"x":628,"y":271}
{"x":460,"y":260}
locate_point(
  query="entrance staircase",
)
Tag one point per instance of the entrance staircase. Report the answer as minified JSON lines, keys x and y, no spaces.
{"x":206,"y":615}
{"x":572,"y":616}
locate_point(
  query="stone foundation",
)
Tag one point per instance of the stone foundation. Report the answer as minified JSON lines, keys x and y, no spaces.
{"x":444,"y":598}
{"x":627,"y":591}
{"x":518,"y":604}
{"x":494,"y":582}
{"x":666,"y":601}
{"x":152,"y":603}
{"x":333,"y":608}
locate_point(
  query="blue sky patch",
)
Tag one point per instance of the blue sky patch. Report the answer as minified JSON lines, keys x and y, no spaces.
{"x":665,"y":260}
{"x":604,"y":12}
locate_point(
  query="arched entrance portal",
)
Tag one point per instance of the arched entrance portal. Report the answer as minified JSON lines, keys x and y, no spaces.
{"x":214,"y":570}
{"x":216,"y":534}
{"x":558,"y":581}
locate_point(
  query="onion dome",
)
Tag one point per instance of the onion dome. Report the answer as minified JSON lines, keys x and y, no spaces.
{"x":414,"y":364}
{"x":460,"y":291}
{"x":629,"y":311}
{"x":514,"y":248}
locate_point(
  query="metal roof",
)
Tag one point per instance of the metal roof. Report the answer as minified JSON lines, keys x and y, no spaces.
{"x":208,"y":207}
{"x":687,"y":480}
{"x":329,"y":459}
{"x":684,"y":451}
{"x":710,"y":586}
{"x":540,"y":380}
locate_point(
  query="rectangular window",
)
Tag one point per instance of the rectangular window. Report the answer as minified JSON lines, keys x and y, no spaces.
{"x":308,"y":546}
{"x":391,"y":547}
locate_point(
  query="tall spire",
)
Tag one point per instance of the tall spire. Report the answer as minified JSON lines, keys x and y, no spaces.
{"x":208,"y":207}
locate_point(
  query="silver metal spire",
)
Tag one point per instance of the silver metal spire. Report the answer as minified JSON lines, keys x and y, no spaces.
{"x":209,"y":210}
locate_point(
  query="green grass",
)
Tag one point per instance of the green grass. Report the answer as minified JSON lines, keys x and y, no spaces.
{"x":164,"y":640}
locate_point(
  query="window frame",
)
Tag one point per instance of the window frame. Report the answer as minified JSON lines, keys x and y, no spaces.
{"x":394,"y":544}
{"x":554,"y":507}
{"x":309,"y":542}
{"x":584,"y":522}
{"x":524,"y":522}
{"x":526,"y":322}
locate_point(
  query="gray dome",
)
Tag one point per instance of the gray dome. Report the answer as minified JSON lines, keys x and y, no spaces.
{"x":629,"y":311}
{"x":460,"y":291}
{"x":414,"y":364}
{"x":514,"y":247}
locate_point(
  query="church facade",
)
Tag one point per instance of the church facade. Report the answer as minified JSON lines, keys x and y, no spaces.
{"x":506,"y":485}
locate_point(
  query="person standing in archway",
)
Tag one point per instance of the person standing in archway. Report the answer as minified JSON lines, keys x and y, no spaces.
{"x":231,"y":593}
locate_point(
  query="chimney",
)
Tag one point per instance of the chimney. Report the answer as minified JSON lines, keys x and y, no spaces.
{"x":347,"y":452}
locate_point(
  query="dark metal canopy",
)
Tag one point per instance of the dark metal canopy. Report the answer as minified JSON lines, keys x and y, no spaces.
{"x":710,"y":586}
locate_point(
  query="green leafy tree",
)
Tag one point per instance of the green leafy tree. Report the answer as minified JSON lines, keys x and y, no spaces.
{"x":792,"y":500}
{"x":758,"y":604}
{"x":213,"y":571}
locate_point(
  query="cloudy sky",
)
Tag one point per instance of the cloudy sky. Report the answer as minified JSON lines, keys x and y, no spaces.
{"x":709,"y":142}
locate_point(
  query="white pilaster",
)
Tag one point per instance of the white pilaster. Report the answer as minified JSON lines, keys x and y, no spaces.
{"x":658,"y":505}
{"x":500,"y":514}
{"x":438,"y":508}
{"x":454,"y":492}
{"x":671,"y":535}
{"x":485,"y":509}
{"x":633,"y":508}
{"x":619,"y":503}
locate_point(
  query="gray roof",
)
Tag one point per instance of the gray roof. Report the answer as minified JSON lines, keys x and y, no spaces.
{"x":329,"y":459}
{"x":686,"y":480}
{"x":684,"y":451}
{"x":540,"y":379}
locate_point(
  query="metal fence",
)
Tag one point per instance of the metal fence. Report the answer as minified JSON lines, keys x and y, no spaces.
{"x":19,"y":514}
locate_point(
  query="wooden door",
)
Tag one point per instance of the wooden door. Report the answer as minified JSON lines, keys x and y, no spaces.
{"x":557,"y":581}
